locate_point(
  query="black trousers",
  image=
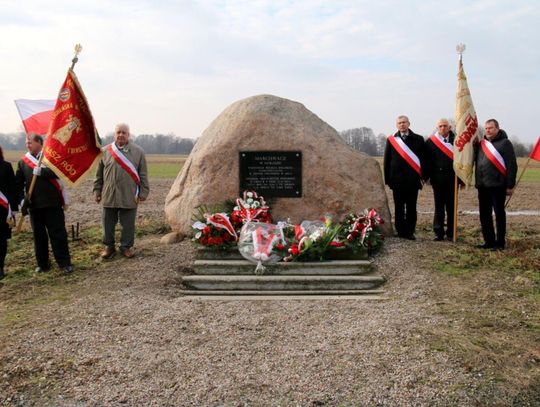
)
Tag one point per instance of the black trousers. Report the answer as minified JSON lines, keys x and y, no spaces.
{"x":3,"y":252}
{"x":405,"y":211}
{"x":492,"y":200}
{"x":49,"y":223}
{"x":444,"y":205}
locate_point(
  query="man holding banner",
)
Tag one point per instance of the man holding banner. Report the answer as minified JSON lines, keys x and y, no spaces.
{"x":495,"y":175}
{"x":403,"y":158}
{"x":121,"y":183}
{"x":45,"y":204}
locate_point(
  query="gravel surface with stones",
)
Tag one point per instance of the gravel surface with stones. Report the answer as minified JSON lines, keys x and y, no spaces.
{"x":125,"y":336}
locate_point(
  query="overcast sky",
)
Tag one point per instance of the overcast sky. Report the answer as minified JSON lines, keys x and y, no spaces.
{"x":173,"y":66}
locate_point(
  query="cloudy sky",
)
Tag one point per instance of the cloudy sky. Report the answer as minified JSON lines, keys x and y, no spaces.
{"x":173,"y":66}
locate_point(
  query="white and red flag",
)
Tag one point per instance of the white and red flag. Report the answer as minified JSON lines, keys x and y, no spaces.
{"x":466,"y":130}
{"x":36,"y":115}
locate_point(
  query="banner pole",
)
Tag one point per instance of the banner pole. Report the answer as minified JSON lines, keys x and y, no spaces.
{"x":454,"y":232}
{"x":517,"y":183}
{"x":78,"y":49}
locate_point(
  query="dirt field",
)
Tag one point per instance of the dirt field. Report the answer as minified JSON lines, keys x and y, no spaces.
{"x":120,"y":333}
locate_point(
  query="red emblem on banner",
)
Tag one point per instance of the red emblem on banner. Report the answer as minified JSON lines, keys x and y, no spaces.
{"x":72,"y":145}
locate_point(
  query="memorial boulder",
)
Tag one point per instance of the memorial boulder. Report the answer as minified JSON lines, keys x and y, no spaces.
{"x":277,"y":144}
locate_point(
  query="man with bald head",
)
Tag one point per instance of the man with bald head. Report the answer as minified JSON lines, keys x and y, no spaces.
{"x":121,"y":183}
{"x":403,"y":157}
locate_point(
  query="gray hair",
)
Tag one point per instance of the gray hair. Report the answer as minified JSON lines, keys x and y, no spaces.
{"x":123,"y":126}
{"x":403,"y":117}
{"x":442,"y":120}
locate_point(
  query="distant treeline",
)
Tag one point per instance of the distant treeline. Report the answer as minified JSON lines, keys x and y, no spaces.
{"x":364,"y":139}
{"x":151,"y":143}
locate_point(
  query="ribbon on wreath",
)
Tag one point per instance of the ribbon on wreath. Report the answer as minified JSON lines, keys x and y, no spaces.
{"x":263,"y":244}
{"x":221,"y":221}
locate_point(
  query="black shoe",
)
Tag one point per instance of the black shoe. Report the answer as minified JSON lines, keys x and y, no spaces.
{"x":40,"y":269}
{"x":67,"y":269}
{"x":2,"y":274}
{"x":438,"y":238}
{"x":484,"y":246}
{"x":410,"y":237}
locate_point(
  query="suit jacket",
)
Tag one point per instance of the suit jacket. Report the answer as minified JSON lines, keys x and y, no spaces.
{"x":7,"y":186}
{"x":486,"y":174}
{"x":398,"y":174}
{"x":438,"y":167}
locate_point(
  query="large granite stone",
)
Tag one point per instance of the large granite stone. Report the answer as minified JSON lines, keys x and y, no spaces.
{"x":336,"y":179}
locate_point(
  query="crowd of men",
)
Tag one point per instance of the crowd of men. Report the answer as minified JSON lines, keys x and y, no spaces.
{"x":121,"y":183}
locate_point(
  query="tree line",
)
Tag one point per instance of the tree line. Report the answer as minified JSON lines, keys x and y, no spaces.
{"x":151,"y":143}
{"x":364,"y":139}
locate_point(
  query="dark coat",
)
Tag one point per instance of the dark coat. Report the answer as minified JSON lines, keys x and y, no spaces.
{"x":45,"y":194}
{"x":398,"y":174}
{"x":7,"y":186}
{"x":437,"y":166}
{"x":486,"y":174}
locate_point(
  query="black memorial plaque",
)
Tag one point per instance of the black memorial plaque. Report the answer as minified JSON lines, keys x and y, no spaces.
{"x":272,"y":174}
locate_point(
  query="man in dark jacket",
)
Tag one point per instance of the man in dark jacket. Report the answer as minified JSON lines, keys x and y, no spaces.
{"x":403,"y":174}
{"x":8,"y":206}
{"x":439,"y":169}
{"x":495,"y":173}
{"x":45,"y":207}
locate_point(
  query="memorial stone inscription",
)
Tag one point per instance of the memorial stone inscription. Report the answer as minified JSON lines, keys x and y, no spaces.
{"x":273,"y":174}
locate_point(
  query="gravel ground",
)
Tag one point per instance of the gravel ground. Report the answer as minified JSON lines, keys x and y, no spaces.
{"x":123,"y":335}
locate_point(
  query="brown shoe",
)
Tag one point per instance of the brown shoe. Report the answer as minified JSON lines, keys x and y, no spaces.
{"x":108,"y":252}
{"x":127,"y":252}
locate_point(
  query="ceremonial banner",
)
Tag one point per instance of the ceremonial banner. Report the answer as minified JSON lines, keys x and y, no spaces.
{"x":35,"y":114}
{"x":535,"y":153}
{"x":72,"y":145}
{"x":466,"y":130}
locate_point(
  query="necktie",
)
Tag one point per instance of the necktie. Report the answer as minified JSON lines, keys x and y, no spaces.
{"x":446,"y":140}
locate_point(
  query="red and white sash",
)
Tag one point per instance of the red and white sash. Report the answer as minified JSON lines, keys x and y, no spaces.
{"x":122,"y":160}
{"x":446,"y":148}
{"x":494,"y":156}
{"x":221,"y":221}
{"x":5,"y":203}
{"x":406,"y":153}
{"x":32,"y":162}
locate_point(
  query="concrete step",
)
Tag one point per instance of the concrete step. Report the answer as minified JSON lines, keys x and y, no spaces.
{"x":283,"y":292}
{"x":281,"y":283}
{"x":244,"y":267}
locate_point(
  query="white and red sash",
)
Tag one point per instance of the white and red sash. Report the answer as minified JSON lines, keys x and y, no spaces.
{"x":221,"y":221}
{"x":406,"y":153}
{"x":32,"y":162}
{"x":494,"y":156}
{"x":446,"y":148}
{"x":122,"y":160}
{"x":5,"y":203}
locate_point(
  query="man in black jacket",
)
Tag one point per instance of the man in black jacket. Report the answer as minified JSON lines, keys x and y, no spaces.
{"x":45,"y":207}
{"x":403,"y":174}
{"x":495,"y":175}
{"x":439,"y":169}
{"x":8,"y":207}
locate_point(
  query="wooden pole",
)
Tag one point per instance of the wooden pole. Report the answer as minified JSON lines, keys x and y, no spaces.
{"x":78,"y":49}
{"x":454,"y":232}
{"x":519,"y":179}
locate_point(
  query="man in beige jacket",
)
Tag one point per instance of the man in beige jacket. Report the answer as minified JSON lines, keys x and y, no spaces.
{"x":121,"y":183}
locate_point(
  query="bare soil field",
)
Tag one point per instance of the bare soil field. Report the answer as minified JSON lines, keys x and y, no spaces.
{"x":121,"y":333}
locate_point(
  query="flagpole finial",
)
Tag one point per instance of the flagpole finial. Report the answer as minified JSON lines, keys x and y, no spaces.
{"x":460,"y":48}
{"x":78,"y":49}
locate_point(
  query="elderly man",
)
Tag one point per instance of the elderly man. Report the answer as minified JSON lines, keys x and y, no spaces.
{"x":121,"y":183}
{"x":439,"y":169}
{"x":46,"y":207}
{"x":403,"y":156}
{"x":495,"y":175}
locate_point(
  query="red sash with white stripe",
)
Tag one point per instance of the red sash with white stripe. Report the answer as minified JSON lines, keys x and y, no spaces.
{"x":5,"y":203}
{"x":406,"y":153}
{"x":494,"y":156}
{"x":122,"y":160}
{"x":446,"y":148}
{"x":32,"y":162}
{"x":221,"y":220}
